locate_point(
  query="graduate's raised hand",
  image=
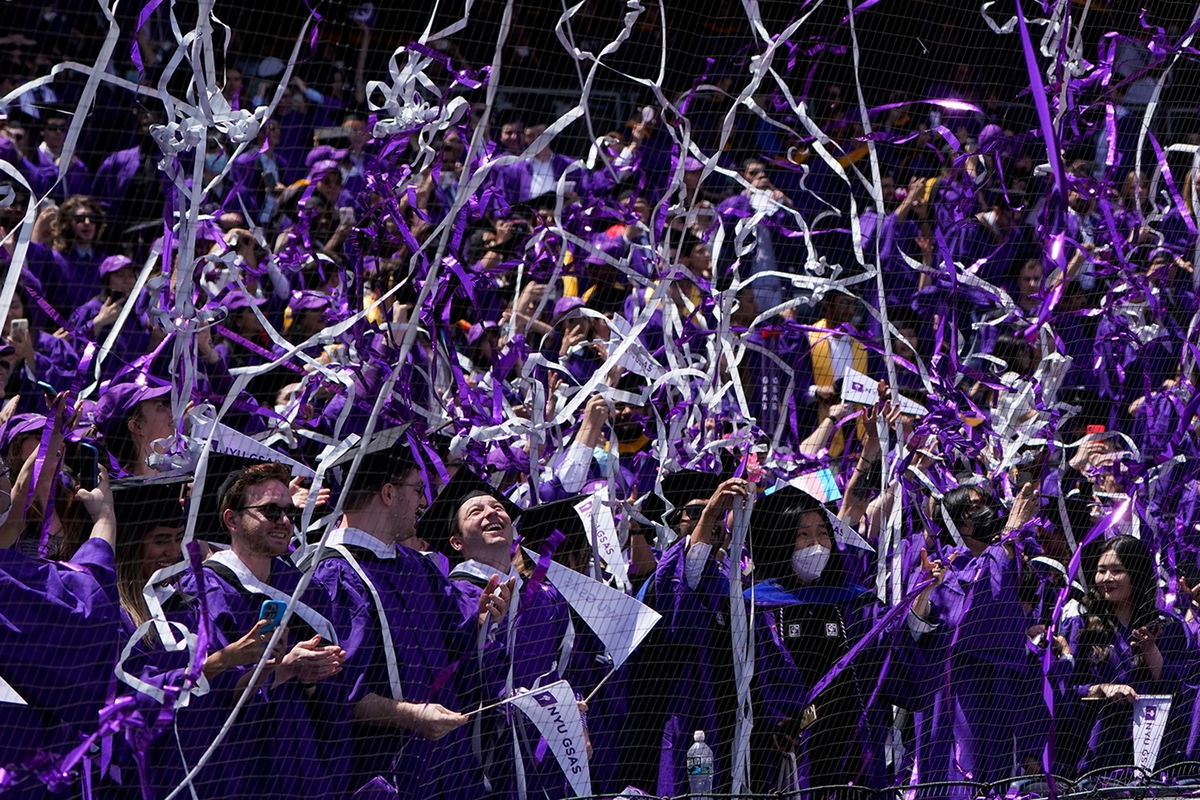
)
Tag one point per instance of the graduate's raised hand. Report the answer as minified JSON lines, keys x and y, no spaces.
{"x":493,"y":602}
{"x":711,"y":527}
{"x":300,"y":493}
{"x":936,"y":568}
{"x":1025,"y":507}
{"x":596,"y":412}
{"x":99,"y":504}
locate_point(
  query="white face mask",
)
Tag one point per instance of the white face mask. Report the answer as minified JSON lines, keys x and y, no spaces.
{"x":809,"y":563}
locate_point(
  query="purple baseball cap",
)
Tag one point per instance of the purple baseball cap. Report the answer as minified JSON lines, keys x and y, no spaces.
{"x":321,"y":168}
{"x":238,"y":299}
{"x":117,"y":402}
{"x":565,"y":305}
{"x":114,"y":264}
{"x":17,"y":426}
{"x":323,"y":152}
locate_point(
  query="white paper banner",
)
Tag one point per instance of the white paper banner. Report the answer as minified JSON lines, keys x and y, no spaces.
{"x":864,"y":390}
{"x":845,"y":534}
{"x":10,"y":695}
{"x":553,"y":711}
{"x":601,"y":528}
{"x":620,"y":621}
{"x":1150,"y":714}
{"x":235,"y":443}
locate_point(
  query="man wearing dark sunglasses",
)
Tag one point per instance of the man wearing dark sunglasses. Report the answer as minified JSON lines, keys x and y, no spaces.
{"x":78,"y":178}
{"x":298,"y":690}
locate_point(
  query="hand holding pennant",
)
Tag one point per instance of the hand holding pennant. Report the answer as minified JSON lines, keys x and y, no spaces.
{"x":555,"y":713}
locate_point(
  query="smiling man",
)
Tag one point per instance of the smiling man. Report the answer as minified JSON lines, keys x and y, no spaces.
{"x":287,"y":740}
{"x":473,"y":522}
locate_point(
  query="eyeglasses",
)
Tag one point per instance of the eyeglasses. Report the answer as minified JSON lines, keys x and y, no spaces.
{"x":419,"y":486}
{"x":83,"y":217}
{"x":55,"y":128}
{"x":692,"y":511}
{"x":273,"y":512}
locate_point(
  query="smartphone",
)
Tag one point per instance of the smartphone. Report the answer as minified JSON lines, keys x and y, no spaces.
{"x":272,"y":610}
{"x":346,"y":215}
{"x":83,"y":460}
{"x":1095,"y":429}
{"x":19,"y":329}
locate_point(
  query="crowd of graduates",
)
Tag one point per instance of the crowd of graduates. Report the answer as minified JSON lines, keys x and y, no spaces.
{"x":894,"y":426}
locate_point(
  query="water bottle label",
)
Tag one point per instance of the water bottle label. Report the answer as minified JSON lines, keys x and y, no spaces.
{"x":698,"y":767}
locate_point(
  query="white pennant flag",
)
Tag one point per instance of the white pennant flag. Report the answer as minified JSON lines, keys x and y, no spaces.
{"x":864,"y":390}
{"x":232,"y":442}
{"x":10,"y":695}
{"x":1150,"y":714}
{"x":601,"y":528}
{"x":553,"y":711}
{"x":620,"y":621}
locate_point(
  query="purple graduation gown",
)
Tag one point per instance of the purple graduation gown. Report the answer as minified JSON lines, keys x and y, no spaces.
{"x":801,"y":632}
{"x":1110,"y":733}
{"x":681,"y":679}
{"x":534,"y":649}
{"x":434,"y":645}
{"x":289,"y":740}
{"x":967,"y":719}
{"x":60,"y":629}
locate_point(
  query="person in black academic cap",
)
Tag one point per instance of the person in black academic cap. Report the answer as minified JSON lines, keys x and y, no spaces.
{"x":809,"y":616}
{"x":473,"y":522}
{"x":398,"y":618}
{"x":584,"y":660}
{"x":690,"y":589}
{"x":150,"y":525}
{"x":688,"y":491}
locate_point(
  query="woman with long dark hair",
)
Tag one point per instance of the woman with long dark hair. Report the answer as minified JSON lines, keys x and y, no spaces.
{"x":808,"y":615}
{"x":1125,"y":647}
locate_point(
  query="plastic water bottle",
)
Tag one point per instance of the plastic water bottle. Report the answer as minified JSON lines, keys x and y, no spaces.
{"x":700,"y":768}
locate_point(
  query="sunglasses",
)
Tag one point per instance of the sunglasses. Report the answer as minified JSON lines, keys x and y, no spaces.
{"x":273,"y":512}
{"x":692,"y":511}
{"x":84,"y":218}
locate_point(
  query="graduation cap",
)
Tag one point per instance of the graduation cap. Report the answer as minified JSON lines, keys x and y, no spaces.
{"x":434,"y":525}
{"x":789,"y":502}
{"x":143,"y":504}
{"x":678,"y":488}
{"x":540,"y":522}
{"x":222,"y":471}
{"x":385,"y":457}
